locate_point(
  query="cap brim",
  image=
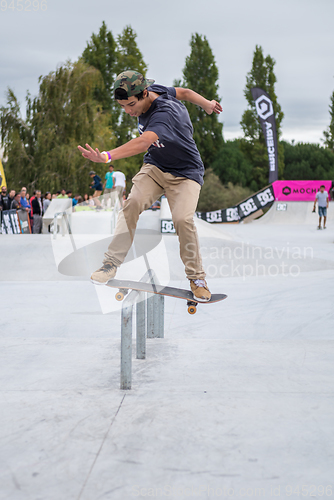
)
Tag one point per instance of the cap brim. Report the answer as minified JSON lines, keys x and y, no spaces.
{"x":149,"y":82}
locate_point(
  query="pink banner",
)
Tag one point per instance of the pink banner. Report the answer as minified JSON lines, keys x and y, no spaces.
{"x":298,"y":190}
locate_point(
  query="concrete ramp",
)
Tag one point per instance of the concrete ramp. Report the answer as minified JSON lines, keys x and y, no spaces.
{"x":290,"y":212}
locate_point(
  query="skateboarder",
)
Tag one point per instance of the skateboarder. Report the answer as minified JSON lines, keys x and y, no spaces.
{"x":172,"y":166}
{"x":322,"y":198}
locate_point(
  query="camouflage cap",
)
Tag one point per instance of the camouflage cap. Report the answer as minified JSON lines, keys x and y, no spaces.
{"x":132,"y":82}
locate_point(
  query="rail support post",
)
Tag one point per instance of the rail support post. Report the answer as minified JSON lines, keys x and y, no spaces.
{"x":126,"y":346}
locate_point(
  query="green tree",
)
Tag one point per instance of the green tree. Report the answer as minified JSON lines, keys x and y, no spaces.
{"x":308,"y":162}
{"x":100,"y":52}
{"x":112,"y":57}
{"x":215,"y":196}
{"x":329,"y":133}
{"x":253,"y":144}
{"x":231,"y":165}
{"x":42,"y":150}
{"x":18,"y":141}
{"x":201,"y":75}
{"x":128,"y":57}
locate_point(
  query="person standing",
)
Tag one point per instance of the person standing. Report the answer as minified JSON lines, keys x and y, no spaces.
{"x":16,"y":205}
{"x":37,"y":212}
{"x":172,"y":166}
{"x":85,"y":201}
{"x":62,"y":195}
{"x":5,"y":200}
{"x":46,"y":201}
{"x":120,"y":185}
{"x":23,"y":200}
{"x":31,"y":214}
{"x":109,"y":182}
{"x":323,"y":201}
{"x":11,"y":196}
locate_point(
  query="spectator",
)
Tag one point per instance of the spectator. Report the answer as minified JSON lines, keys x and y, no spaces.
{"x":23,"y":200}
{"x":109,"y":182}
{"x":33,"y":196}
{"x":85,"y":199}
{"x":79,"y":206}
{"x":31,"y":211}
{"x":54,"y":196}
{"x":62,"y":194}
{"x":120,"y":185}
{"x":37,"y":213}
{"x":46,"y":201}
{"x":11,"y":195}
{"x":4,"y":199}
{"x":16,"y":205}
{"x":75,"y":200}
{"x":331,"y":192}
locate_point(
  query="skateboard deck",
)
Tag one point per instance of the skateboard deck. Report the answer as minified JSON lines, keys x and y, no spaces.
{"x":125,"y":285}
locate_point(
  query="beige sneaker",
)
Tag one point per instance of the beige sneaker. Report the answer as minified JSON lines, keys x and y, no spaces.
{"x":200,"y":290}
{"x":106,"y":273}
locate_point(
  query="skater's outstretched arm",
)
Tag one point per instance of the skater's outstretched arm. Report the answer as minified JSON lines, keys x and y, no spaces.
{"x":191,"y":96}
{"x":134,"y":147}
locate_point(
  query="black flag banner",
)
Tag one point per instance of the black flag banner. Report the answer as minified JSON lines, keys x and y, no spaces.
{"x":265,"y":111}
{"x":10,"y":223}
{"x":242,"y":210}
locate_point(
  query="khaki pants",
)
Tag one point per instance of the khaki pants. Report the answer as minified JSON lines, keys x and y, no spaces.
{"x":119,"y":191}
{"x":110,"y":194}
{"x":182,"y":194}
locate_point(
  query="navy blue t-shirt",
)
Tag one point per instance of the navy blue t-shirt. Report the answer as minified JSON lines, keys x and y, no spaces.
{"x":175,"y":151}
{"x":97,"y":183}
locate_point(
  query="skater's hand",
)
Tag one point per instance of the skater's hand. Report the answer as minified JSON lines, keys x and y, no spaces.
{"x":213,"y":107}
{"x":92,"y":155}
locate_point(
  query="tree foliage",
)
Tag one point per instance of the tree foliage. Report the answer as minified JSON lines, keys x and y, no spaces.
{"x":74,"y":105}
{"x":42,"y":150}
{"x":215,"y":196}
{"x":253,"y":144}
{"x":112,"y":57}
{"x":329,"y":133}
{"x":308,"y":162}
{"x":201,"y":75}
{"x":100,"y":53}
{"x":231,"y":165}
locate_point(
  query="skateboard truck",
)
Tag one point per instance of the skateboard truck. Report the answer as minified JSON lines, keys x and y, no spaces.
{"x":122,"y":292}
{"x":191,"y":307}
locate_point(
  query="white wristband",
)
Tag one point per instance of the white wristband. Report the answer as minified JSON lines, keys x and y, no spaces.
{"x":105,"y":153}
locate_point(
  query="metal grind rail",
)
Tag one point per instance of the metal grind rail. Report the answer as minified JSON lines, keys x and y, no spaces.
{"x":149,"y":323}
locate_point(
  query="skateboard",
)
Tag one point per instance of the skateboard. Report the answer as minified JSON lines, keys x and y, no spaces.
{"x":124,"y":286}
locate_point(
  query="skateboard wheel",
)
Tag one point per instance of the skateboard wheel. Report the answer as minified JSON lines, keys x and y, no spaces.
{"x":119,"y":296}
{"x":191,"y":309}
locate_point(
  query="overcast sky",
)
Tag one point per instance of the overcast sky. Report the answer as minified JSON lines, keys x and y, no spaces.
{"x":298,"y":34}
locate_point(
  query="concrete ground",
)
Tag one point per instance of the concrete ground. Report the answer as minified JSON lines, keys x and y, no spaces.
{"x":236,"y":401}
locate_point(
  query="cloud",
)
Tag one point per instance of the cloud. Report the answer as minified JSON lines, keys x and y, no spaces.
{"x":298,"y":35}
